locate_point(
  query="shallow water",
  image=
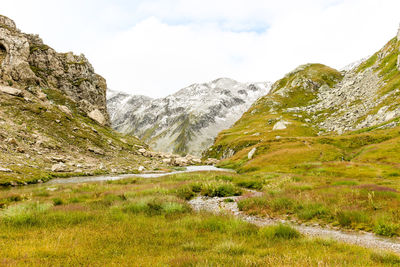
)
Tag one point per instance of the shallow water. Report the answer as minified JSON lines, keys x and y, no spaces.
{"x":84,"y":179}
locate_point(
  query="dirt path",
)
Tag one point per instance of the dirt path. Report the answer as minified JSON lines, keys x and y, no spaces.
{"x":369,"y":240}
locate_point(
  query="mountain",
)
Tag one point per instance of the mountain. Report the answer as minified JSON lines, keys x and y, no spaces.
{"x":53,"y":115}
{"x":187,"y":121}
{"x":318,"y":114}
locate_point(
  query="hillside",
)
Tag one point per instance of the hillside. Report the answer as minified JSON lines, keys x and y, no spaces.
{"x":318,"y":114}
{"x":187,"y":121}
{"x":53,"y":115}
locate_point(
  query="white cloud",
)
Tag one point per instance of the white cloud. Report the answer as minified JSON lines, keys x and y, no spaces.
{"x":156,"y":47}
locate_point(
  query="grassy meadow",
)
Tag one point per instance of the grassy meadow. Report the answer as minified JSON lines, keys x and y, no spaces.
{"x":147,"y":222}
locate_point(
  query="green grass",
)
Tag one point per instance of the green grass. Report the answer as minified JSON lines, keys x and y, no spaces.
{"x":145,"y":223}
{"x":40,"y":128}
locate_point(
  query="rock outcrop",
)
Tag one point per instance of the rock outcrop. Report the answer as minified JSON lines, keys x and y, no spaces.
{"x":188,"y":121}
{"x":53,"y":117}
{"x":25,"y":61}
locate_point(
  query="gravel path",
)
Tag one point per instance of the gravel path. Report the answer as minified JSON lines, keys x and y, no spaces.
{"x":369,"y":240}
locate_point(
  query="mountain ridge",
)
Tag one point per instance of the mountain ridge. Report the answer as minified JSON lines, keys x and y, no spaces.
{"x":333,"y":121}
{"x":191,"y":117}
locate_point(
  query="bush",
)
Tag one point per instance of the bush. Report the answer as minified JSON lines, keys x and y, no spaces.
{"x":220,"y":190}
{"x":196,"y":188}
{"x":250,"y":184}
{"x":185,"y":193}
{"x":280,"y":231}
{"x":57,"y":201}
{"x":156,"y":207}
{"x":386,"y":229}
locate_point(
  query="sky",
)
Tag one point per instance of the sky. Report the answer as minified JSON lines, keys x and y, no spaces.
{"x":156,"y":47}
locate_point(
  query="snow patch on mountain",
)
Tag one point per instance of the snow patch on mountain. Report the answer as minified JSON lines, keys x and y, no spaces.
{"x":187,"y":121}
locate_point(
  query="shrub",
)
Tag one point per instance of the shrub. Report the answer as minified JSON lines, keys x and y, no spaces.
{"x":57,"y":201}
{"x":220,"y":190}
{"x":153,"y":207}
{"x":185,"y":193}
{"x":196,"y":188}
{"x":386,"y":229}
{"x":250,"y":184}
{"x":280,"y":231}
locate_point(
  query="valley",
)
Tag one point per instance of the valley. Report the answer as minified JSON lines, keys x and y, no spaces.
{"x":303,"y":171}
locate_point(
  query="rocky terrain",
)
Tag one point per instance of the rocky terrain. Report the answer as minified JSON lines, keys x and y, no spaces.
{"x":314,"y":107}
{"x":53,"y":115}
{"x":187,"y":121}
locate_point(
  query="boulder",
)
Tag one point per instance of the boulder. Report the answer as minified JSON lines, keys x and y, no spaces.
{"x":11,"y":91}
{"x":142,"y":151}
{"x":251,"y":153}
{"x":181,"y":162}
{"x":211,"y":161}
{"x":280,"y":125}
{"x":196,"y":161}
{"x":97,"y":116}
{"x":167,"y":161}
{"x":141,"y":168}
{"x":65,"y":109}
{"x":59,"y":167}
{"x":5,"y":170}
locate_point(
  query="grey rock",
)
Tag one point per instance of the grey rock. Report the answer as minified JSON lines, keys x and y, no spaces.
{"x":59,"y":167}
{"x":185,"y":122}
{"x":26,"y":61}
{"x":251,"y":153}
{"x":5,"y":170}
{"x":11,"y":91}
{"x":97,"y":116}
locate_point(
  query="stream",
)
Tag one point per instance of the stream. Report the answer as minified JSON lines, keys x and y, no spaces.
{"x":108,"y":177}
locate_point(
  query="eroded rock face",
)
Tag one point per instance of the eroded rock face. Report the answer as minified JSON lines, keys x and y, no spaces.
{"x":26,"y":61}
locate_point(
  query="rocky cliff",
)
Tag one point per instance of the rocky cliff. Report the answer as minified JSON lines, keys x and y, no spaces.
{"x":316,"y":113}
{"x":27,"y":63}
{"x":53,"y":116}
{"x":188,"y":121}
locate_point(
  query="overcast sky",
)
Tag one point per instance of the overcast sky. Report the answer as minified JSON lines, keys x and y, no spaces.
{"x":156,"y":47}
